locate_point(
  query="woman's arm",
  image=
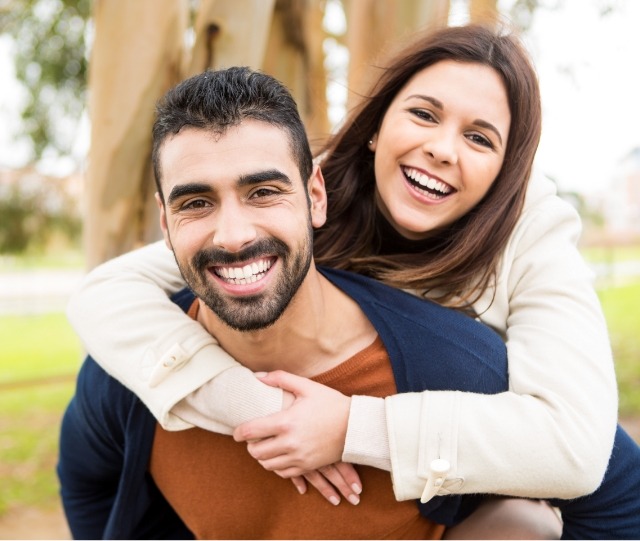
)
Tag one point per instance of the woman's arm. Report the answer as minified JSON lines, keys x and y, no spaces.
{"x":123,"y":315}
{"x":552,"y":433}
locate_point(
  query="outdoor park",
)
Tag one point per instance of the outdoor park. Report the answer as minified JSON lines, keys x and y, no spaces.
{"x":76,"y":190}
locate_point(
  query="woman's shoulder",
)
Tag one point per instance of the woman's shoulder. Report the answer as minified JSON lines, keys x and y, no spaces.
{"x":542,"y":196}
{"x":546,"y":217}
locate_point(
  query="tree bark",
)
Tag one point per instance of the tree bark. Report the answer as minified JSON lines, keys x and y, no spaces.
{"x":483,"y":11}
{"x":136,"y":57}
{"x":230,"y":33}
{"x":374,"y":28}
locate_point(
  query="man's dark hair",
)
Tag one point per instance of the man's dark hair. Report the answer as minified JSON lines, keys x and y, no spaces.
{"x":217,"y":100}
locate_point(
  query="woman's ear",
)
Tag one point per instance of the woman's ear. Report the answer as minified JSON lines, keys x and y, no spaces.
{"x":373,"y":142}
{"x":317,"y":197}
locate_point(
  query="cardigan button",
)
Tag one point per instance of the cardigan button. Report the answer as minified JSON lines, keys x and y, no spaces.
{"x":174,"y":359}
{"x":438,"y":470}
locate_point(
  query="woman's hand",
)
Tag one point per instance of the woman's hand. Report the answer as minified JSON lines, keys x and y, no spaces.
{"x":307,"y":435}
{"x":326,"y":480}
{"x":306,"y":439}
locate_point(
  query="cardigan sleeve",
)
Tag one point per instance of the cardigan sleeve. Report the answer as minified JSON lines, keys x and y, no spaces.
{"x":129,"y":326}
{"x":551,"y":434}
{"x":91,"y":455}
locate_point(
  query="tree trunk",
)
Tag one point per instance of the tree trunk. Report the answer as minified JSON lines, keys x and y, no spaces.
{"x":295,"y":56}
{"x":375,"y":27}
{"x":230,"y":33}
{"x":136,"y":57}
{"x":483,"y":11}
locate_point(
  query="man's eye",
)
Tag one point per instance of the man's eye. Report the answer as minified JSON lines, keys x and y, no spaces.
{"x":263,"y":192}
{"x":195,"y":204}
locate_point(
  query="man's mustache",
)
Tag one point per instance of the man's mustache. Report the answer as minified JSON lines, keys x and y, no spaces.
{"x":262,"y":248}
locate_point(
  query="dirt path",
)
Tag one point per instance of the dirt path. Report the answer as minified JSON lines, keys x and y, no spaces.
{"x":32,"y":523}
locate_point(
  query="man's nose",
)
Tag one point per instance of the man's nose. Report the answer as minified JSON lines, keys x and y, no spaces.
{"x":234,"y":228}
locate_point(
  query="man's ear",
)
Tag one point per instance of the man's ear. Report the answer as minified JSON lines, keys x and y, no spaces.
{"x":163,"y":220}
{"x":318,"y":197}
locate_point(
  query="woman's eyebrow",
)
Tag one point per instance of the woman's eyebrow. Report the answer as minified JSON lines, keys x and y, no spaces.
{"x":488,"y":126}
{"x":433,"y":101}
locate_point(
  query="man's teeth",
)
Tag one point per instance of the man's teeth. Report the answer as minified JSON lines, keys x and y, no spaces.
{"x":427,"y":181}
{"x":245,"y":275}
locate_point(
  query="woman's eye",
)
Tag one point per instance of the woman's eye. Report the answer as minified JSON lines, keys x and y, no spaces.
{"x":423,"y":114}
{"x":480,"y":140}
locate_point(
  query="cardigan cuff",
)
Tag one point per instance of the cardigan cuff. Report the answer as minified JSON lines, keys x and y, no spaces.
{"x":367,"y":442}
{"x":233,"y":397}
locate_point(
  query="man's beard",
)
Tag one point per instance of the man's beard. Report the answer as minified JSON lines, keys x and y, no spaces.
{"x":249,"y":312}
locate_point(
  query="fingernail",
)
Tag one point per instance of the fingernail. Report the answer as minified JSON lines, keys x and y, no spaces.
{"x":301,"y":490}
{"x":334,"y":500}
{"x":260,"y":374}
{"x":356,"y":488}
{"x":354,"y":499}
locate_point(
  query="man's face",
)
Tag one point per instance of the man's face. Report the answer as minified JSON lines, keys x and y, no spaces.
{"x":238,"y":219}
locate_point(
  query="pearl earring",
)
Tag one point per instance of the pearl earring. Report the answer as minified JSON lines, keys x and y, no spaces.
{"x":370,"y":142}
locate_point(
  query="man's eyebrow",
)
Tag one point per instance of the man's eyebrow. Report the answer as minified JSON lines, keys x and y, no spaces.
{"x":263,"y":176}
{"x":439,"y":105}
{"x":191,"y":188}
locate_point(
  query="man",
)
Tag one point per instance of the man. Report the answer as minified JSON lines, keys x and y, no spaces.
{"x":239,"y":198}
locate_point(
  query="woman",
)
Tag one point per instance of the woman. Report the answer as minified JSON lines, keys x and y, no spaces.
{"x":501,"y":251}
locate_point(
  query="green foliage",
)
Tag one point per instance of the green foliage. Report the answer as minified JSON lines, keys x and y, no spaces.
{"x":32,"y":213}
{"x":51,"y":62}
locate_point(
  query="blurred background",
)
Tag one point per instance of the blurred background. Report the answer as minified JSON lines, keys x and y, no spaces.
{"x":78,"y":83}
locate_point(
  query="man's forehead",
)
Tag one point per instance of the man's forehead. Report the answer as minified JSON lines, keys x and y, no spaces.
{"x":242,"y":151}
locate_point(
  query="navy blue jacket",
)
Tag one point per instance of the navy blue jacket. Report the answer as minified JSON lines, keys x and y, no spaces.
{"x":107,"y":433}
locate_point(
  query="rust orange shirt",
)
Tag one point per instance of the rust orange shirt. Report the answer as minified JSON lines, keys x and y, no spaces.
{"x":221,"y":492}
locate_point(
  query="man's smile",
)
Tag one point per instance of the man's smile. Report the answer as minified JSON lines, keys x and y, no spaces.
{"x":244,"y":274}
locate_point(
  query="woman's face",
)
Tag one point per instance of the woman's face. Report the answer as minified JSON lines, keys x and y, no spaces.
{"x":440,"y":146}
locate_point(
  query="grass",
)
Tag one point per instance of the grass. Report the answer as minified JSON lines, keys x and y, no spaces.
{"x":37,"y":347}
{"x":29,"y":425}
{"x":607,"y":254}
{"x":40,"y":349}
{"x":621,"y":306}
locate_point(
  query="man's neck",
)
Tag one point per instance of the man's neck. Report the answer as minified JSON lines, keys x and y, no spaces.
{"x":321,"y":328}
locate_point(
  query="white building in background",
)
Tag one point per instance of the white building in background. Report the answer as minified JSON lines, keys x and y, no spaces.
{"x":621,"y":203}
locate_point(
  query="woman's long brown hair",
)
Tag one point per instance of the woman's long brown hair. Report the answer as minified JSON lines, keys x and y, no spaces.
{"x":458,"y":263}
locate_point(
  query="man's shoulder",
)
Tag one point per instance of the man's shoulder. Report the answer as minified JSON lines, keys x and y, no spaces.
{"x":369,"y":292}
{"x":367,"y":288}
{"x":183,"y":298}
{"x":413,"y":328}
